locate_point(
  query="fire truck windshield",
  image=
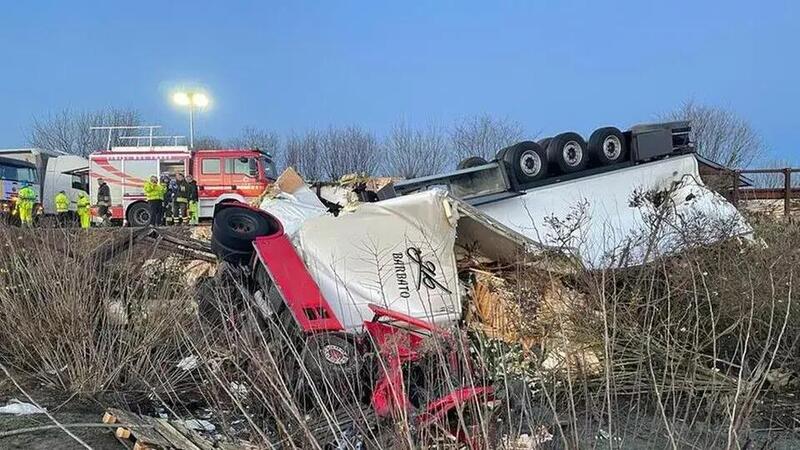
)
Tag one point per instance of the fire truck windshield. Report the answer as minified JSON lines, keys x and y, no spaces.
{"x":269,"y":167}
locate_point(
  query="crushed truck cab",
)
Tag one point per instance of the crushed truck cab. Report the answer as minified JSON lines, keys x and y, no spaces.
{"x":364,"y":294}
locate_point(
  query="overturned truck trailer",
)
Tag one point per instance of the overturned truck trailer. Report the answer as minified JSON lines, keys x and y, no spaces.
{"x":621,"y":199}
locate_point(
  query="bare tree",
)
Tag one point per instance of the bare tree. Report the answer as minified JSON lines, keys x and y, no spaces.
{"x":414,"y":153}
{"x":349,"y":150}
{"x":773,"y":180}
{"x":304,"y":154}
{"x":69,"y":131}
{"x":254,"y":138}
{"x":208,"y":143}
{"x":720,"y":135}
{"x":483,"y":136}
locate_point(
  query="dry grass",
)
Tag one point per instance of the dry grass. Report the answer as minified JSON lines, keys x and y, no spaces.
{"x":84,"y":325}
{"x":698,"y":350}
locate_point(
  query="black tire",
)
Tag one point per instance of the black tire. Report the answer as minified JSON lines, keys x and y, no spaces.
{"x":230,"y":255}
{"x":235,"y":227}
{"x":569,"y":152}
{"x":139,"y":215}
{"x":608,"y":146}
{"x":472,"y":161}
{"x":544,"y":143}
{"x":332,"y":361}
{"x":527,"y":161}
{"x":500,"y":154}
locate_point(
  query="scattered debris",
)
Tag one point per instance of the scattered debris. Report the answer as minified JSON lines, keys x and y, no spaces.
{"x":146,"y":432}
{"x":189,"y":363}
{"x":199,"y":425}
{"x":291,"y":201}
{"x":19,"y":408}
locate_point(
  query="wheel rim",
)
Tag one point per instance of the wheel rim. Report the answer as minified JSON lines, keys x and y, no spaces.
{"x":142,"y":216}
{"x":530,"y":163}
{"x":242,"y":224}
{"x":335,"y":354}
{"x":612,"y":147}
{"x":573,"y":153}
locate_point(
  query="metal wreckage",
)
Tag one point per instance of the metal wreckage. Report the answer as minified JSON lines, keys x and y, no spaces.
{"x":367,"y":279}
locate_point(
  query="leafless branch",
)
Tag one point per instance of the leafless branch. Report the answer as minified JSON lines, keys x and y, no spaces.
{"x":414,"y":153}
{"x":720,"y":134}
{"x":483,"y":136}
{"x":349,"y":150}
{"x":69,"y":130}
{"x":303,"y":152}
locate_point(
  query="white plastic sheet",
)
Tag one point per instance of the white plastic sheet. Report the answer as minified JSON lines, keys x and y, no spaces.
{"x":603,"y":218}
{"x":19,"y":408}
{"x":294,"y":209}
{"x":397,"y":253}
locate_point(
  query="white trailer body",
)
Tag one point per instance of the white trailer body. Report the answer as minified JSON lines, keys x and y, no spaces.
{"x":56,"y":172}
{"x":606,"y":218}
{"x":623,"y":199}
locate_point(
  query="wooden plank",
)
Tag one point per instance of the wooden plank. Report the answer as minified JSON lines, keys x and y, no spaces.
{"x":178,"y":440}
{"x":151,"y":437}
{"x":193,"y":435}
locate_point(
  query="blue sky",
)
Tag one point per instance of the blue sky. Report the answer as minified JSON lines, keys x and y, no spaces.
{"x":553,"y":66}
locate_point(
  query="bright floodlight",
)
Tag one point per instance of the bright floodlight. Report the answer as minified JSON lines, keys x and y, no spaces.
{"x":200,"y":99}
{"x":181,"y":98}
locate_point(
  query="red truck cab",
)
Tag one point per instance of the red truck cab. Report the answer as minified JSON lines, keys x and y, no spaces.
{"x":230,"y":174}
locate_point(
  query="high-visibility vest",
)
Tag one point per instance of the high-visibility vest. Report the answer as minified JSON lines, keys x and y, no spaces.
{"x":154,"y":191}
{"x":62,"y":202}
{"x":27,"y":194}
{"x":83,"y":204}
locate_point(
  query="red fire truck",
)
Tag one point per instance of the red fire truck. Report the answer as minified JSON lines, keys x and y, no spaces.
{"x":221,"y":175}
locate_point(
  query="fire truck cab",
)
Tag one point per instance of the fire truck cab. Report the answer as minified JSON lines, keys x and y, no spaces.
{"x":235,"y":174}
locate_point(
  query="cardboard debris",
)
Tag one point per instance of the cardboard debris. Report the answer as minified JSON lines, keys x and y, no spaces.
{"x":496,"y":313}
{"x":539,"y":318}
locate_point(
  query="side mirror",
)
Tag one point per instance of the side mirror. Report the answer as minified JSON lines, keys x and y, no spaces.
{"x":244,"y":159}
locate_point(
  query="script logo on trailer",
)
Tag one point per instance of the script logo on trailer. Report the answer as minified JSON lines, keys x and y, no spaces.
{"x":425,"y":272}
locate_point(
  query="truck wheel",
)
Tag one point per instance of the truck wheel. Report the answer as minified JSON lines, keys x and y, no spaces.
{"x":472,"y":161}
{"x":568,"y":150}
{"x":332,"y":360}
{"x":230,"y":255}
{"x":235,"y":227}
{"x":139,"y":214}
{"x":607,"y":146}
{"x":544,"y":143}
{"x":528,"y":161}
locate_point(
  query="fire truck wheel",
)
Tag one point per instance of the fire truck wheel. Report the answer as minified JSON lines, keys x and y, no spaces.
{"x":229,"y":255}
{"x":139,"y":215}
{"x":472,"y":161}
{"x":527,"y":160}
{"x":608,"y":146}
{"x":569,"y":152}
{"x":331,"y":361}
{"x":235,"y":227}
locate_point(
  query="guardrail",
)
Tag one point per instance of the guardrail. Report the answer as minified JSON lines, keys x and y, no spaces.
{"x":787,"y":192}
